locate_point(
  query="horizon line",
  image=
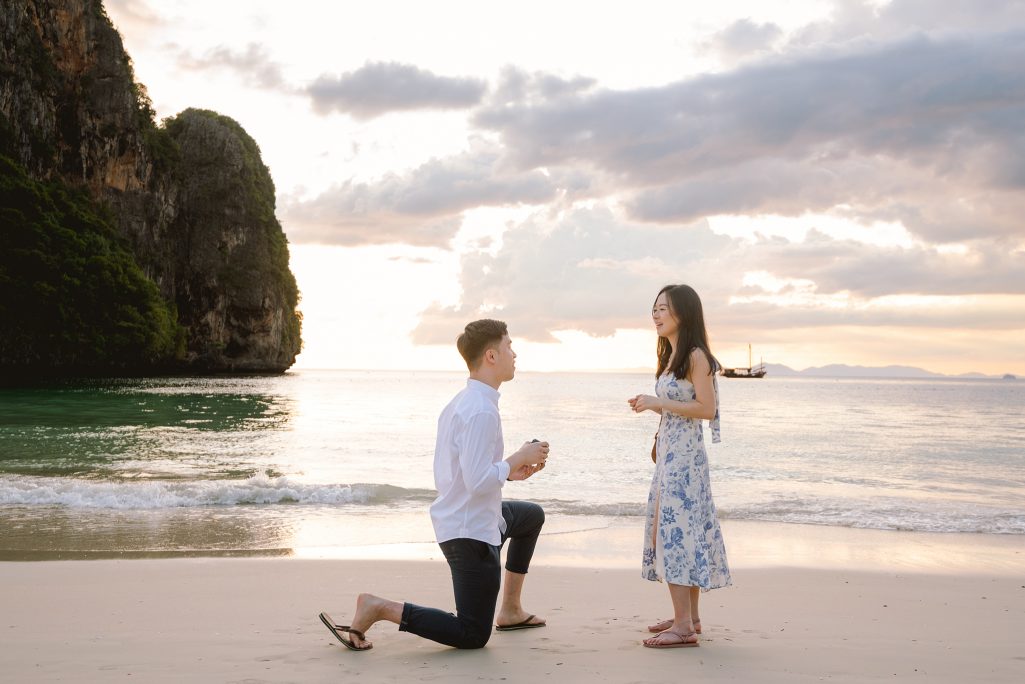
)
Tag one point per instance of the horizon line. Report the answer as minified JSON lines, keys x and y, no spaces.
{"x":640,"y":370}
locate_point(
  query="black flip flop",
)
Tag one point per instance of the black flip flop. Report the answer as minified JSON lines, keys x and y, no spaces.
{"x":526,"y":624}
{"x":337,"y":630}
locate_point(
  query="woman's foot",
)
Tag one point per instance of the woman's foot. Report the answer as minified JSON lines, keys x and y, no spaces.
{"x":666,"y":624}
{"x":670,"y":639}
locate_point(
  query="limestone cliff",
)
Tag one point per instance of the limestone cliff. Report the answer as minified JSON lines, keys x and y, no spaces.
{"x":192,"y":199}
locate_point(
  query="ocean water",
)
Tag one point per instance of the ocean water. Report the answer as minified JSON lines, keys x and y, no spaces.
{"x":330,"y":459}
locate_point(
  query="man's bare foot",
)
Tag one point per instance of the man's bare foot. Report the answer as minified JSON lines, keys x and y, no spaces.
{"x":666,"y":624}
{"x":508,"y":617}
{"x":369,"y":609}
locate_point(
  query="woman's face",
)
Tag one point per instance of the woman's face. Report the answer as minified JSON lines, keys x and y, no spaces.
{"x":666,"y":324}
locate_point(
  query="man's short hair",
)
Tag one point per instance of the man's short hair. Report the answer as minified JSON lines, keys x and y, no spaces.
{"x":478,"y":337}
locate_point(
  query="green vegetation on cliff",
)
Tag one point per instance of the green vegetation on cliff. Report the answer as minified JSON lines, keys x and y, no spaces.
{"x":227,"y":186}
{"x":128,"y":246}
{"x":72,"y":297}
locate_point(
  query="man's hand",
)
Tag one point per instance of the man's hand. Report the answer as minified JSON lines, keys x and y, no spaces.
{"x":525,"y":471}
{"x":532,"y":455}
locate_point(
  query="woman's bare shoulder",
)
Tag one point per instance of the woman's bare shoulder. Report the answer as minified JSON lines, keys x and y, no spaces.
{"x":699,"y":359}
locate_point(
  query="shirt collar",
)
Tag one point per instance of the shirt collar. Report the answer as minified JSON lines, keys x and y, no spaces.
{"x":484,"y":388}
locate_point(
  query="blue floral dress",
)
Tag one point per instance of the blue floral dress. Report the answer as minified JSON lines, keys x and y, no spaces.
{"x":682,"y":540}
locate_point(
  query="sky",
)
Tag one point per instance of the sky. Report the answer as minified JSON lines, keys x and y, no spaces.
{"x":841,"y":181}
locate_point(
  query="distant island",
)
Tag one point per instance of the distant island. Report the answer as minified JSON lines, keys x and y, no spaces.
{"x":840,"y":370}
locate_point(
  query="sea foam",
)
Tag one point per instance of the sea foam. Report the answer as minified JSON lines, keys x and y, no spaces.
{"x":24,"y":490}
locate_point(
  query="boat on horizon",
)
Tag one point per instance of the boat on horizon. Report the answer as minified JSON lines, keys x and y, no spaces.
{"x":751,"y":371}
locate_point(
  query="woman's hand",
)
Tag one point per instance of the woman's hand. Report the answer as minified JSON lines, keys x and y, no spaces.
{"x":645,"y":402}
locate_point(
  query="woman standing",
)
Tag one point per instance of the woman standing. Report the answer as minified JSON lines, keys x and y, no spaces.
{"x":682,"y":542}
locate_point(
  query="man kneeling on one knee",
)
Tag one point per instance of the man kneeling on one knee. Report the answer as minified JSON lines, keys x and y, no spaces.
{"x":471,"y":521}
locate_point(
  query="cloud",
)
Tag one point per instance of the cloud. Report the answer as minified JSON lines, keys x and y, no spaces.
{"x":906,"y":100}
{"x":378,"y":88}
{"x":352,"y":228}
{"x":742,"y":39}
{"x":861,"y":21}
{"x":834,"y":127}
{"x":134,"y":16}
{"x":938,"y":207}
{"x":594,"y":271}
{"x":420,"y":207}
{"x":867,"y":271}
{"x":254,"y":64}
{"x":766,"y":318}
{"x":519,"y":86}
{"x":586,"y":270}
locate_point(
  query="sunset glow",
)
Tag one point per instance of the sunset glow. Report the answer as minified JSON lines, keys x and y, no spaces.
{"x":841,"y":181}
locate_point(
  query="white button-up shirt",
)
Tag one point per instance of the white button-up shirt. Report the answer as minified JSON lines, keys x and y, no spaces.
{"x":468,"y":468}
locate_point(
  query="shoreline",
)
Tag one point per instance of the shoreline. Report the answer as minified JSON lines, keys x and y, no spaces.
{"x":614,"y":543}
{"x":754,"y":545}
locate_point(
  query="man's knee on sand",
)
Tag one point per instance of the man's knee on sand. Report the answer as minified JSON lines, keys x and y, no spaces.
{"x":475,"y":637}
{"x":476,"y":641}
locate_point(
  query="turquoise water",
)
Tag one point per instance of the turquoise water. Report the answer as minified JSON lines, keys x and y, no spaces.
{"x":321,"y":459}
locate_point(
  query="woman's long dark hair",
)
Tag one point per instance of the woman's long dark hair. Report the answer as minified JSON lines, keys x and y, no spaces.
{"x":686,"y":307}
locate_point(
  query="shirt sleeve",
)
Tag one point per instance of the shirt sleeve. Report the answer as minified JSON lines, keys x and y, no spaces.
{"x":476,"y":453}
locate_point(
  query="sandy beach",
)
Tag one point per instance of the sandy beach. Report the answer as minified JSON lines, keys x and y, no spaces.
{"x":255,"y":619}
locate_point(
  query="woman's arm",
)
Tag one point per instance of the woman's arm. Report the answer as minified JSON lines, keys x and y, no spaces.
{"x":703,"y":406}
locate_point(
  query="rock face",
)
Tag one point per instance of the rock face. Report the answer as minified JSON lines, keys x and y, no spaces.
{"x":192,"y":199}
{"x":233,"y":289}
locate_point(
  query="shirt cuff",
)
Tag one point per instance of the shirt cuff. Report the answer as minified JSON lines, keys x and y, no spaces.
{"x":503,"y":471}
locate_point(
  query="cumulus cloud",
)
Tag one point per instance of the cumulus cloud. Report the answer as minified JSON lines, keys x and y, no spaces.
{"x":586,"y":270}
{"x":868,"y":271}
{"x":743,"y":39}
{"x":519,"y":86}
{"x":860,"y":21}
{"x":937,"y":206}
{"x":923,"y":113}
{"x":594,"y":271}
{"x":378,"y":88}
{"x":910,"y":99}
{"x":420,"y":207}
{"x":254,"y":64}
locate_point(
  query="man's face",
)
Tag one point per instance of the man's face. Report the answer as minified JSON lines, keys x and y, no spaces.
{"x":504,"y":359}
